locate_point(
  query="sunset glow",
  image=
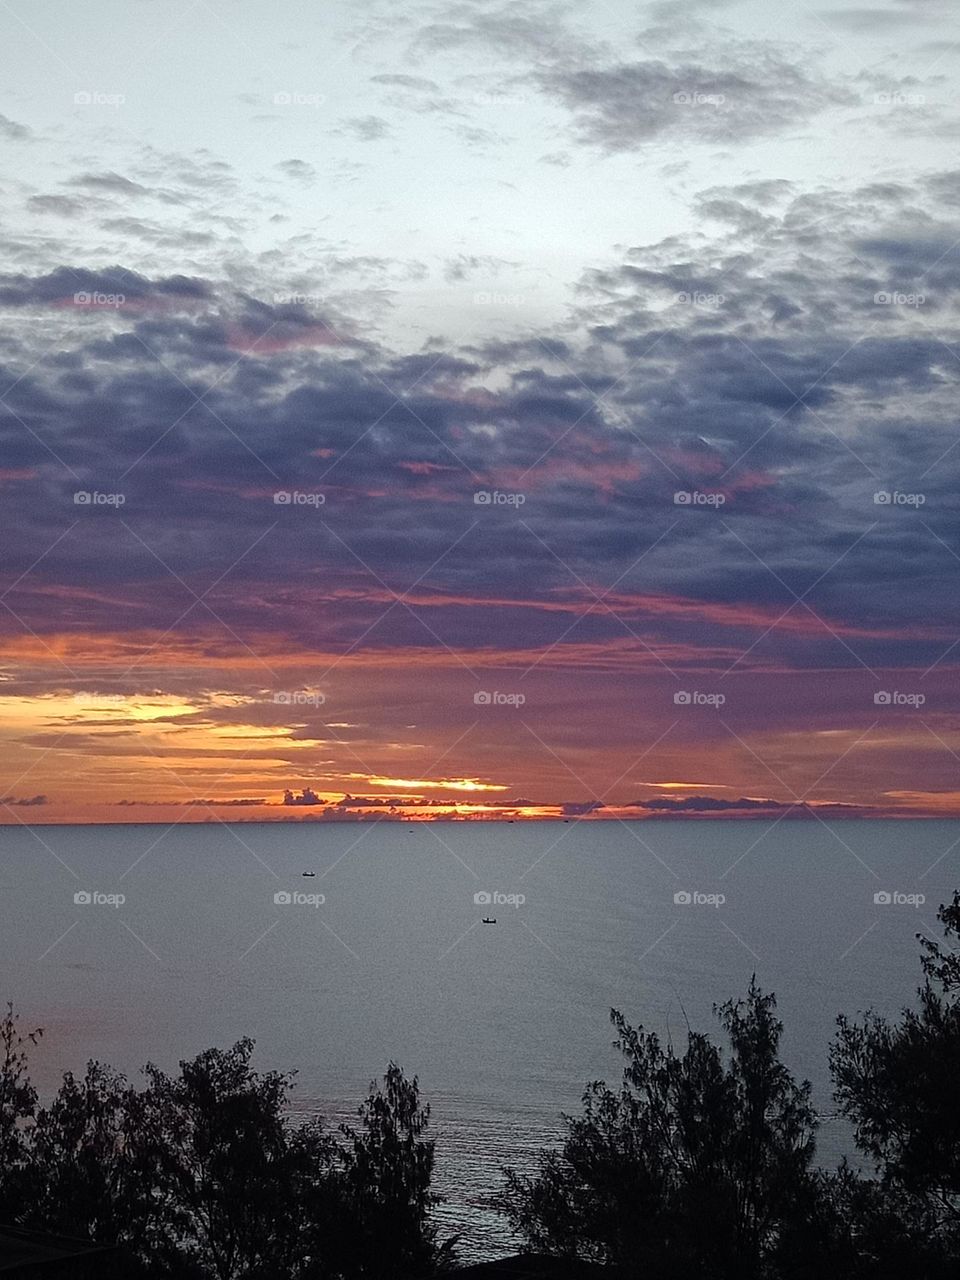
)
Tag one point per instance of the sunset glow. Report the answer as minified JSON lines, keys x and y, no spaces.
{"x":615,"y":481}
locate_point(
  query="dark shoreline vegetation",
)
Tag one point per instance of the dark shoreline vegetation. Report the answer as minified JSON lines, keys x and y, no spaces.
{"x":701,"y":1163}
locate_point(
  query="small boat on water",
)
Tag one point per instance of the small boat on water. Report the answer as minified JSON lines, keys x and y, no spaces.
{"x":489,"y":920}
{"x":308,"y":873}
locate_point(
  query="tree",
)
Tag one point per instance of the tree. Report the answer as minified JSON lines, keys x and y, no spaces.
{"x":81,"y":1178}
{"x":211,"y":1150}
{"x":696,"y":1165}
{"x":896,"y":1083}
{"x":18,"y":1104}
{"x":383,"y":1195}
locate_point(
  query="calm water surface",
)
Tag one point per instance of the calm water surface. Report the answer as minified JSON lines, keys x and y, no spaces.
{"x":503,"y":1024}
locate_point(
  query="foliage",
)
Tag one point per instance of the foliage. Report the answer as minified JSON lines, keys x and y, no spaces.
{"x":696,"y":1164}
{"x":201,"y":1176}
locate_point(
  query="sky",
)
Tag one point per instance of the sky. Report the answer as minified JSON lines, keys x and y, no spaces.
{"x":467,"y":410}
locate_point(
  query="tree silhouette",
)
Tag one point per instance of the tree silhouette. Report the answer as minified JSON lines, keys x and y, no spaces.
{"x":695,"y":1166}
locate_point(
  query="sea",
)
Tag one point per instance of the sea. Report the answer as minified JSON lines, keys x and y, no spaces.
{"x":139,"y":943}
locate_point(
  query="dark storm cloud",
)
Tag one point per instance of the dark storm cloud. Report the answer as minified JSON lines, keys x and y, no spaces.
{"x":761,"y":370}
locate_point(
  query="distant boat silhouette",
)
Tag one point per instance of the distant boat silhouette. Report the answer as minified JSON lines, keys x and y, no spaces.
{"x":308,"y":873}
{"x":489,"y":920}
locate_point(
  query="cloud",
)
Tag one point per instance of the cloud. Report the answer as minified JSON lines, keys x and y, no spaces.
{"x":297,"y":169}
{"x":13,"y":131}
{"x":24,"y":802}
{"x":64,"y":283}
{"x":733,"y":93}
{"x":112,"y":182}
{"x":365,"y":128}
{"x":305,"y":797}
{"x":63,"y":206}
{"x":877,"y":21}
{"x":417,"y":84}
{"x":754,"y":365}
{"x":465,"y":265}
{"x":706,"y":804}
